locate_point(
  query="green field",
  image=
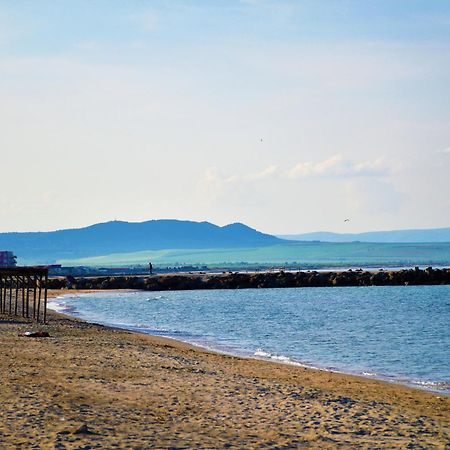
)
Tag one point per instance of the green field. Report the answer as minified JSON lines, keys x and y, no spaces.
{"x":303,"y":254}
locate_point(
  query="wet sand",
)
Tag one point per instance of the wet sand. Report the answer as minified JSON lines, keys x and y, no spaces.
{"x":89,"y":386}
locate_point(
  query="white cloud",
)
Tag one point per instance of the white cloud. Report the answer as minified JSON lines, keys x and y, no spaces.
{"x":358,"y":189}
{"x":268,"y":172}
{"x":334,"y":167}
{"x":337,"y":166}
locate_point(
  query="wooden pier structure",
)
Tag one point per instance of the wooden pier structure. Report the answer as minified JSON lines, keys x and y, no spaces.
{"x":23,"y":292}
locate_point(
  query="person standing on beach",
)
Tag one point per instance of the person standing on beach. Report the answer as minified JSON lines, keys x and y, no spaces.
{"x":150,"y":268}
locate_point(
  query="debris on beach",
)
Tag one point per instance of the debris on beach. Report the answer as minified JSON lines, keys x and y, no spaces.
{"x":34,"y":334}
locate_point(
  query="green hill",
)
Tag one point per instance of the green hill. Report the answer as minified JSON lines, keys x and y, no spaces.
{"x":304,"y":254}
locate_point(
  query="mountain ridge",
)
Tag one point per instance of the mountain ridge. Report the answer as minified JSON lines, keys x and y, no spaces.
{"x":426,"y":235}
{"x":121,"y":236}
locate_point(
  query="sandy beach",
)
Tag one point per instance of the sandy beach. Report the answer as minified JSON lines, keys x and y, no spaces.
{"x":87,"y":386}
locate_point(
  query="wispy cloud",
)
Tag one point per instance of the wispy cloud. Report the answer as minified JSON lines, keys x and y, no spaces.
{"x":268,"y":172}
{"x":334,"y":167}
{"x":337,"y":166}
{"x":358,"y":189}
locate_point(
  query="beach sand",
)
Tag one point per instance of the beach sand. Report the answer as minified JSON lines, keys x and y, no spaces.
{"x":88,"y":386}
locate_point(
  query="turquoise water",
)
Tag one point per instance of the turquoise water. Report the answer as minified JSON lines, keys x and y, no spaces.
{"x":396,"y":333}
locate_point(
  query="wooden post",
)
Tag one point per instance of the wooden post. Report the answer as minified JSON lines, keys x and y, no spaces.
{"x":39,"y":298}
{"x":16,"y":295}
{"x":1,"y":293}
{"x":28,"y":297}
{"x":5,"y":291}
{"x":34,"y":295}
{"x":22,"y":279}
{"x":45,"y":297}
{"x":10,"y":293}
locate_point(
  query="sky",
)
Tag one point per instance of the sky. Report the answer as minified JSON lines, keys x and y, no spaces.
{"x":288,"y":116}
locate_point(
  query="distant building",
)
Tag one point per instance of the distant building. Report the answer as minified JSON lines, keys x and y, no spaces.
{"x":7,"y":259}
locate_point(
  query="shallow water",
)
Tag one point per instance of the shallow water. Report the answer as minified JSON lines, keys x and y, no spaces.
{"x":396,"y":333}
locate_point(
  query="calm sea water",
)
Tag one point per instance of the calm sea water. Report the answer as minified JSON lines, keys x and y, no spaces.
{"x":400,"y":334}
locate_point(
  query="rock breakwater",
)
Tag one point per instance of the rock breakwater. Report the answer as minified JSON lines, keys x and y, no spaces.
{"x":239,"y":280}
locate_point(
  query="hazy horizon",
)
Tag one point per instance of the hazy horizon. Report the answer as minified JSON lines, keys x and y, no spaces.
{"x":287,"y":116}
{"x":281,"y":234}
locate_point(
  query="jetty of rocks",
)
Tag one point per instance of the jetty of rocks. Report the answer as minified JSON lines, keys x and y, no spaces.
{"x":244,"y":280}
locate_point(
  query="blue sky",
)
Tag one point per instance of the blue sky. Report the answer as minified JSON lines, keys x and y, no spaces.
{"x":286,"y":115}
{"x":53,"y":26}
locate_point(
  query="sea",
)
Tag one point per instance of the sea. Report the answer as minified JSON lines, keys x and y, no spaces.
{"x":400,"y":334}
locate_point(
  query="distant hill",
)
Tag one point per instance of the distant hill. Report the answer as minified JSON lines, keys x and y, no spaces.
{"x":409,"y":236}
{"x":119,"y":237}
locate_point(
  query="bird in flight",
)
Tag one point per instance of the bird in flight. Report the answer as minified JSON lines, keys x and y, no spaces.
{"x":347,"y":220}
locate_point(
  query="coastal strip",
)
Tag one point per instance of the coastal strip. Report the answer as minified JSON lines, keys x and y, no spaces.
{"x":266,"y":279}
{"x":92,"y":386}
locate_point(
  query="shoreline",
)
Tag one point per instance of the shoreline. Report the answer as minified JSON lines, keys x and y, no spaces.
{"x":422,"y":385}
{"x":134,"y":390}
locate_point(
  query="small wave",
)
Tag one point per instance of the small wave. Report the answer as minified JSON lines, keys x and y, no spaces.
{"x":155,"y":298}
{"x":61,"y":307}
{"x":57,"y":306}
{"x":281,"y":358}
{"x":438,"y":385}
{"x":137,"y":326}
{"x":263,"y":354}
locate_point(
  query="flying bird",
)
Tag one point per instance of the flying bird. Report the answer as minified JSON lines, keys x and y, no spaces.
{"x":347,"y":220}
